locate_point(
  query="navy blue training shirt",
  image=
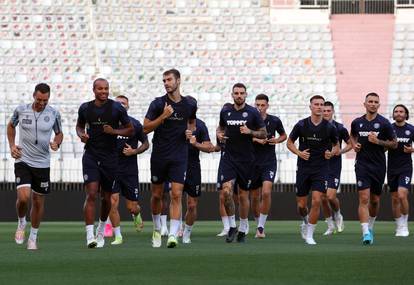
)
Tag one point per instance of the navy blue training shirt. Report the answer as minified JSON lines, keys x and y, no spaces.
{"x":266,"y":153}
{"x":239,"y":147}
{"x":371,"y":155}
{"x":398,"y":160}
{"x":201,"y":134}
{"x":128,"y":164}
{"x":169,"y":141}
{"x":317,"y":139}
{"x":93,"y":117}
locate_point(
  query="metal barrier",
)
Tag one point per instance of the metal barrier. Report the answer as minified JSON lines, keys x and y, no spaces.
{"x":362,"y":6}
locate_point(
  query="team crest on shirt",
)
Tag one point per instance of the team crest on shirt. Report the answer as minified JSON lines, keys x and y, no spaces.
{"x":407,"y":132}
{"x":47,"y":119}
{"x":244,"y":115}
{"x":376,"y":125}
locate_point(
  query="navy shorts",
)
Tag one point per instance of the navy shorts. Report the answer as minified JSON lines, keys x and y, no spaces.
{"x":310,"y":181}
{"x":239,"y":172}
{"x":127,"y":185}
{"x":263,"y":172}
{"x":402,"y":180}
{"x":334,"y":179}
{"x":368,"y":179}
{"x":192,"y":185}
{"x":168,"y":170}
{"x":38,"y":179}
{"x":100,"y":170}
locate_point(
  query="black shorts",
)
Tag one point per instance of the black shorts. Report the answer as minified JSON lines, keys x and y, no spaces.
{"x":192,"y":185}
{"x":334,"y":179}
{"x":239,"y":172}
{"x":167,"y":170}
{"x":38,"y":179}
{"x":263,"y":172}
{"x":368,"y":179}
{"x":127,"y":185}
{"x":310,"y":181}
{"x":100,"y":170}
{"x":402,"y":180}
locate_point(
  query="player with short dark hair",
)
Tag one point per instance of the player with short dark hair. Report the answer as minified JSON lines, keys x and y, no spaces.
{"x":32,"y":158}
{"x":239,"y":123}
{"x":316,"y":137}
{"x":266,"y":164}
{"x":330,"y":202}
{"x":370,"y":135}
{"x":126,"y":181}
{"x":169,"y":117}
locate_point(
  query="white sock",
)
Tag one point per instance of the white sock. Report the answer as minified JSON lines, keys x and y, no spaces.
{"x":330,"y":222}
{"x":337,"y":214}
{"x":101,"y":226}
{"x":305,"y":219}
{"x":405,"y":218}
{"x":232,"y":221}
{"x":117,"y":231}
{"x":309,"y":230}
{"x":174,"y":227}
{"x":365,"y":228}
{"x":33,"y":234}
{"x":21,"y":222}
{"x":262,"y":220}
{"x":89,"y":231}
{"x":187,"y":228}
{"x":226,"y":223}
{"x":156,"y":219}
{"x":243,"y":225}
{"x":163,"y":221}
{"x":371,"y":221}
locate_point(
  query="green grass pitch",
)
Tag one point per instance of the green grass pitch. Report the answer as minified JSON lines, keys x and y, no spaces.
{"x":281,"y":258}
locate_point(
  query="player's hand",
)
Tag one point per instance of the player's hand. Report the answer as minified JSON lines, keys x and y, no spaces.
{"x":221,"y":137}
{"x":167,"y":112}
{"x":245,"y":130}
{"x":188,"y":134}
{"x":328,"y":154}
{"x":357,"y":147}
{"x":408,"y":149}
{"x":193,"y":140}
{"x":84,"y":137}
{"x":54,"y":145}
{"x":372,"y":138}
{"x":260,"y":141}
{"x":16,"y":151}
{"x":272,"y":141}
{"x":305,"y":155}
{"x":108,"y":130}
{"x":128,"y":150}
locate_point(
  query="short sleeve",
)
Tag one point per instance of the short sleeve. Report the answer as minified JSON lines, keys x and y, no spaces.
{"x":333,"y":133}
{"x":81,"y":115}
{"x":295,"y":133}
{"x":344,"y":135}
{"x":14,"y":120}
{"x":154,"y":111}
{"x":142,"y":137}
{"x":204,"y":137}
{"x":57,"y":126}
{"x":123,"y":114}
{"x":354,"y":131}
{"x":389,"y":132}
{"x":279,"y":127}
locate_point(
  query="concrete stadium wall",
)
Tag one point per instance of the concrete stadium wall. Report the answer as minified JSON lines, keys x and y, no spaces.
{"x":66,"y":201}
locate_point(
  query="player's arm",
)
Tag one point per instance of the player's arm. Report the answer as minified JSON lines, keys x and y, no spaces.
{"x":205,"y":146}
{"x":280,"y":139}
{"x":128,"y":150}
{"x":151,"y":125}
{"x":390,"y":144}
{"x":347,"y":147}
{"x":15,"y":150}
{"x":260,"y":133}
{"x":292,"y":147}
{"x":126,"y":131}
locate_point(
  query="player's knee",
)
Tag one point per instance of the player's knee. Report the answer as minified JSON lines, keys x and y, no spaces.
{"x":265,"y":195}
{"x":402,"y":195}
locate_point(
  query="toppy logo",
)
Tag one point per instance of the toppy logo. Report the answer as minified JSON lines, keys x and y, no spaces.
{"x":403,"y":140}
{"x":365,"y":134}
{"x":236,"y":122}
